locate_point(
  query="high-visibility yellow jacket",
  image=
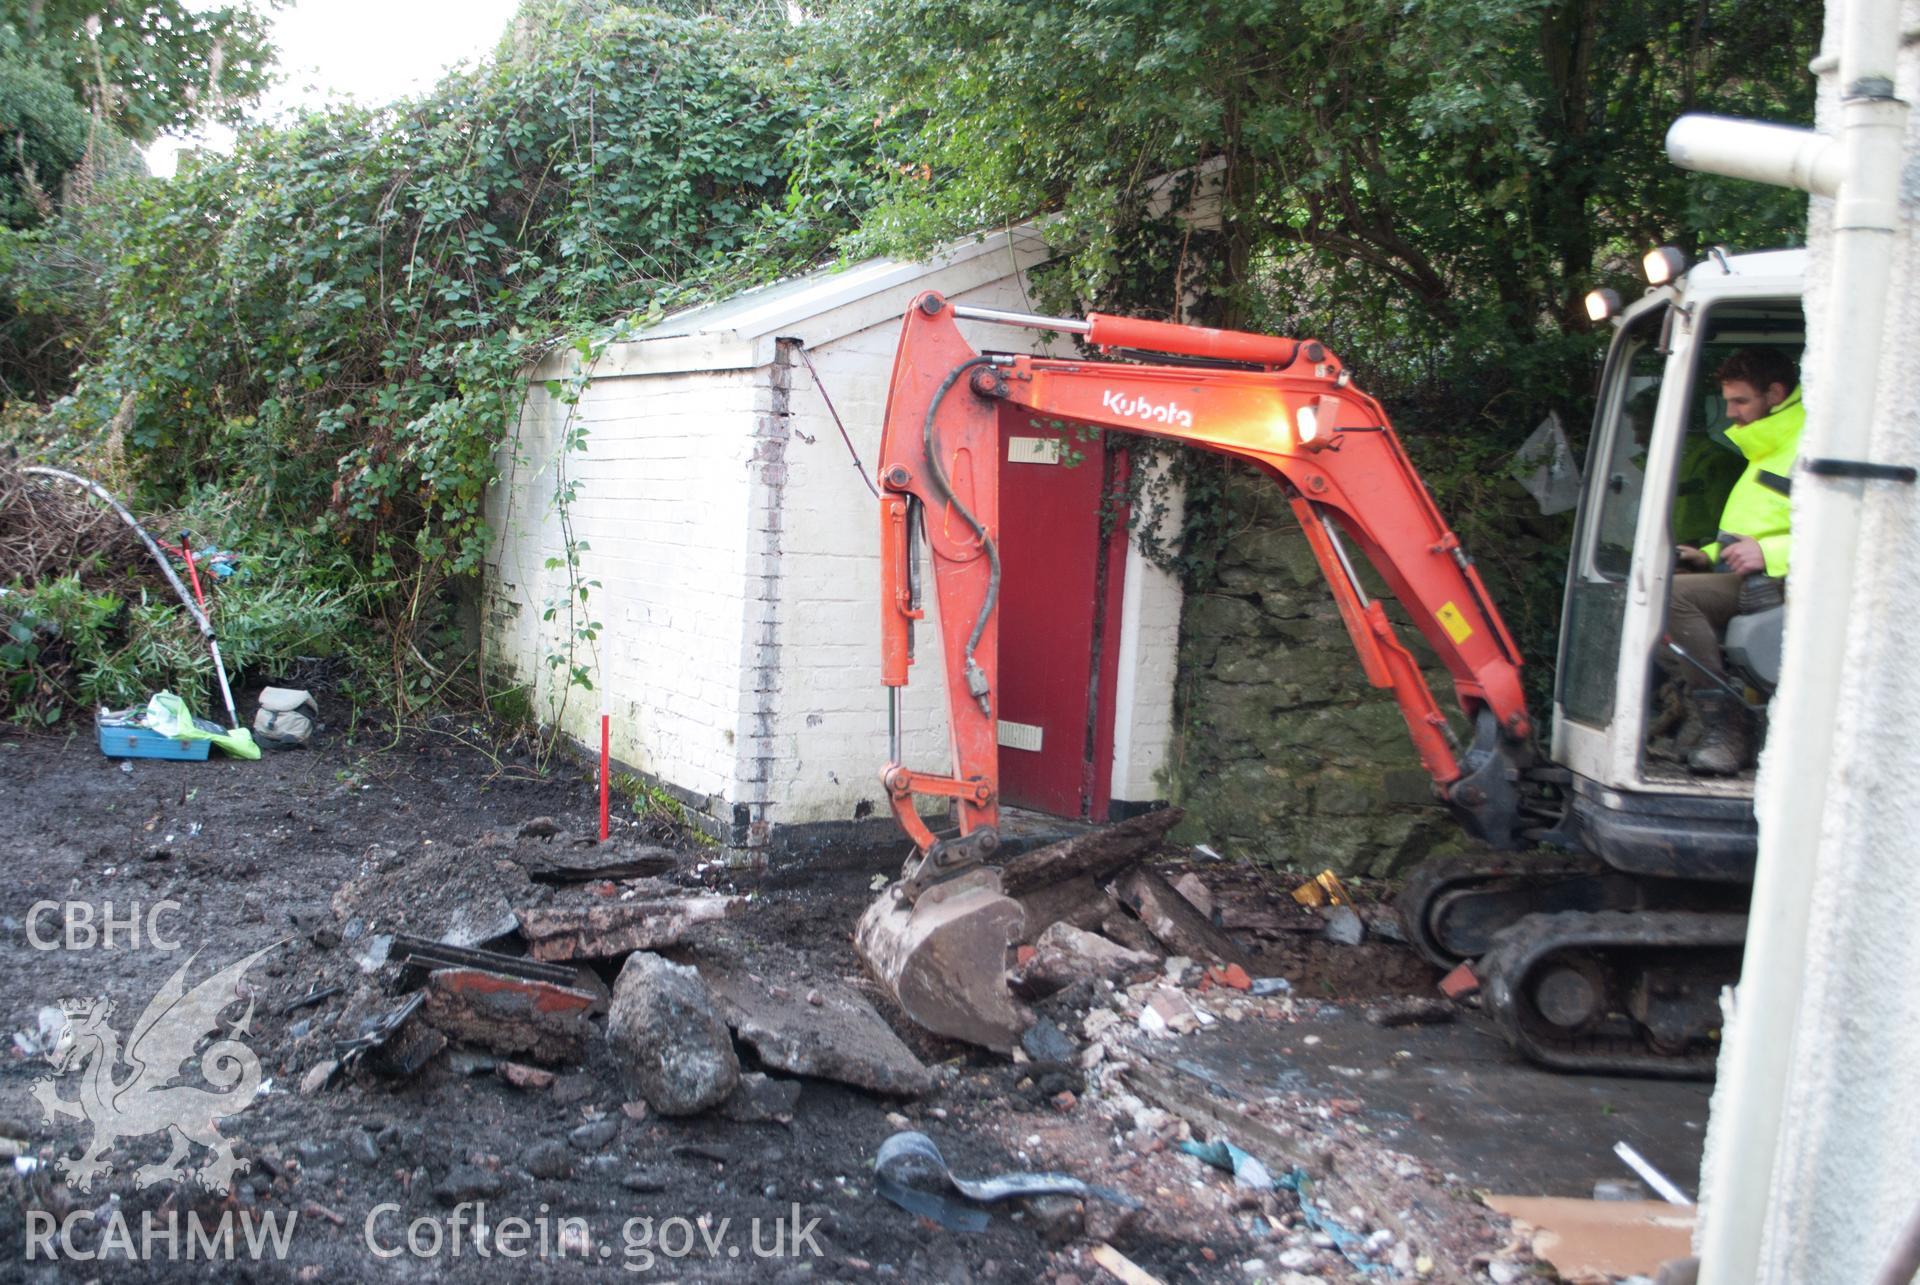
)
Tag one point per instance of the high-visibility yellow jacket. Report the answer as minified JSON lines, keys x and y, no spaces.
{"x":1758,"y":506}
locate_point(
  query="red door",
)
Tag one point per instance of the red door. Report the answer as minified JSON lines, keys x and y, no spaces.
{"x":1059,"y":624}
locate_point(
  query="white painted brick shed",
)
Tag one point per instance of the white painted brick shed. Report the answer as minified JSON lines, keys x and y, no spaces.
{"x":735,"y":548}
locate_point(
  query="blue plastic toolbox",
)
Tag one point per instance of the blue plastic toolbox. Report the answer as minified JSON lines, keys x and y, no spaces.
{"x":122,"y":742}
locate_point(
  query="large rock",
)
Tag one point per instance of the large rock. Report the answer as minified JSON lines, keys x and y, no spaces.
{"x":832,"y":1033}
{"x":673,"y":1046}
{"x":1065,"y":954}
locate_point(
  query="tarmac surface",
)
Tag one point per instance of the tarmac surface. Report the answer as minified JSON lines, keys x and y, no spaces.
{"x":1457,"y":1097}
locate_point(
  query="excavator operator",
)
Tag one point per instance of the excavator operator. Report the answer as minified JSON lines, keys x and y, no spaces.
{"x":1745,"y":569}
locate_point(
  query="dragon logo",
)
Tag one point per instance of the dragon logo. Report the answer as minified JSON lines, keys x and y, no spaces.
{"x":146,"y":1099}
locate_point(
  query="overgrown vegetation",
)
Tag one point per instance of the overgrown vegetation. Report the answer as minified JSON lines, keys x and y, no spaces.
{"x":82,"y":82}
{"x":1428,"y":187}
{"x":334,"y":321}
{"x":88,"y":621}
{"x":329,"y":327}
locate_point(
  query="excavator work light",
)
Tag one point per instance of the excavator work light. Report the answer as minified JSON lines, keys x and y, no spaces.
{"x":1306,"y":423}
{"x":1663,"y":264}
{"x":1602,"y":304}
{"x":1316,"y":424}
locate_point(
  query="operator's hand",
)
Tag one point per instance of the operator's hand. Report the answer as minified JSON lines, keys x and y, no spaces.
{"x":1691,"y":559}
{"x":1743,"y":556}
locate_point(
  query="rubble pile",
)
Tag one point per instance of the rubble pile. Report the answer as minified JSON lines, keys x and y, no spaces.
{"x":531,"y":946}
{"x":521,"y":954}
{"x":1120,"y":963}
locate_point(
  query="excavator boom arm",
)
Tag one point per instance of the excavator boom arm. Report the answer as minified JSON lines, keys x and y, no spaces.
{"x":1285,"y":405}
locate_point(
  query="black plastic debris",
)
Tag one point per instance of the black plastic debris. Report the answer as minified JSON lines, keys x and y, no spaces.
{"x":910,"y":1171}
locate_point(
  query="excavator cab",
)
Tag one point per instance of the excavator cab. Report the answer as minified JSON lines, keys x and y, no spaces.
{"x":1611,"y":956}
{"x":1658,"y":472}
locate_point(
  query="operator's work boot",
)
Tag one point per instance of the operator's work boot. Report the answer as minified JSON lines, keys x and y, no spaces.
{"x":1692,"y":726}
{"x":1726,"y":738}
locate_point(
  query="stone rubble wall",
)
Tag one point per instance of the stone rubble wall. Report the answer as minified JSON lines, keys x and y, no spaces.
{"x":1283,"y":754}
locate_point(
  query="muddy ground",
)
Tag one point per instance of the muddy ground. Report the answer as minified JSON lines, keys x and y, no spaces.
{"x":313,"y":853}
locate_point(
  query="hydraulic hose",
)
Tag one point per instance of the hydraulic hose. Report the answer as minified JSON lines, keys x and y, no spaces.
{"x":943,"y":486}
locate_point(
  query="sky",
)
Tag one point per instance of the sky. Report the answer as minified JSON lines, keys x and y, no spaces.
{"x":371,"y":50}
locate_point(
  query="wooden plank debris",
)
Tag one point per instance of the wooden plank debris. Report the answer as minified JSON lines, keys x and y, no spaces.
{"x":1120,"y":1267}
{"x":422,"y":953}
{"x":1098,"y":854}
{"x":1172,"y":918}
{"x":588,"y":865}
{"x":616,"y":928}
{"x":1591,"y":1238}
{"x":509,"y":1015}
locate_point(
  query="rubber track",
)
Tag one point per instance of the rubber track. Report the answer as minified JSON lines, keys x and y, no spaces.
{"x":1521,"y":949}
{"x":1438,"y":875}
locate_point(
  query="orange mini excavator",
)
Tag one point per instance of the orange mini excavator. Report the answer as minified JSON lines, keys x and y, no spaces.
{"x":1595,"y":978}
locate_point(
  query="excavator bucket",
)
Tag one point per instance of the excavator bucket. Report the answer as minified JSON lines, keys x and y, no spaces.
{"x":944,"y":957}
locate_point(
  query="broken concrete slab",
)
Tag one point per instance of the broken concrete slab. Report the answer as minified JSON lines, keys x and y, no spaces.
{"x":608,"y":931}
{"x":943,"y":957}
{"x":1065,"y":954}
{"x":1099,"y":854}
{"x":840,"y":1038}
{"x":762,"y":1099}
{"x":1172,"y":918}
{"x":673,"y":1047}
{"x":1189,"y":885}
{"x":509,"y":1015}
{"x":590,"y":864}
{"x":1122,"y":927}
{"x":1080,"y":902}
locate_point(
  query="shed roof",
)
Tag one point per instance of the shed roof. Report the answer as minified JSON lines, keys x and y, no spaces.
{"x":822,"y":306}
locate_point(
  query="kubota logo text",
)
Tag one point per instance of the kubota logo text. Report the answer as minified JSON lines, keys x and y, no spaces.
{"x":1150,"y":412}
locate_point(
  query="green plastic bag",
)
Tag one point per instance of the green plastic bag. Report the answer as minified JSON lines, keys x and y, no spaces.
{"x":168,"y":715}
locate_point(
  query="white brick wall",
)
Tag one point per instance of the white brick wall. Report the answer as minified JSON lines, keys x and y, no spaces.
{"x":739,"y":580}
{"x":1148,"y":666}
{"x":662,"y":507}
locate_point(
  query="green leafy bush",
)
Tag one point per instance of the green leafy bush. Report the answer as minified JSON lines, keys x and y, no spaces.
{"x":337,"y":318}
{"x":84,"y":639}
